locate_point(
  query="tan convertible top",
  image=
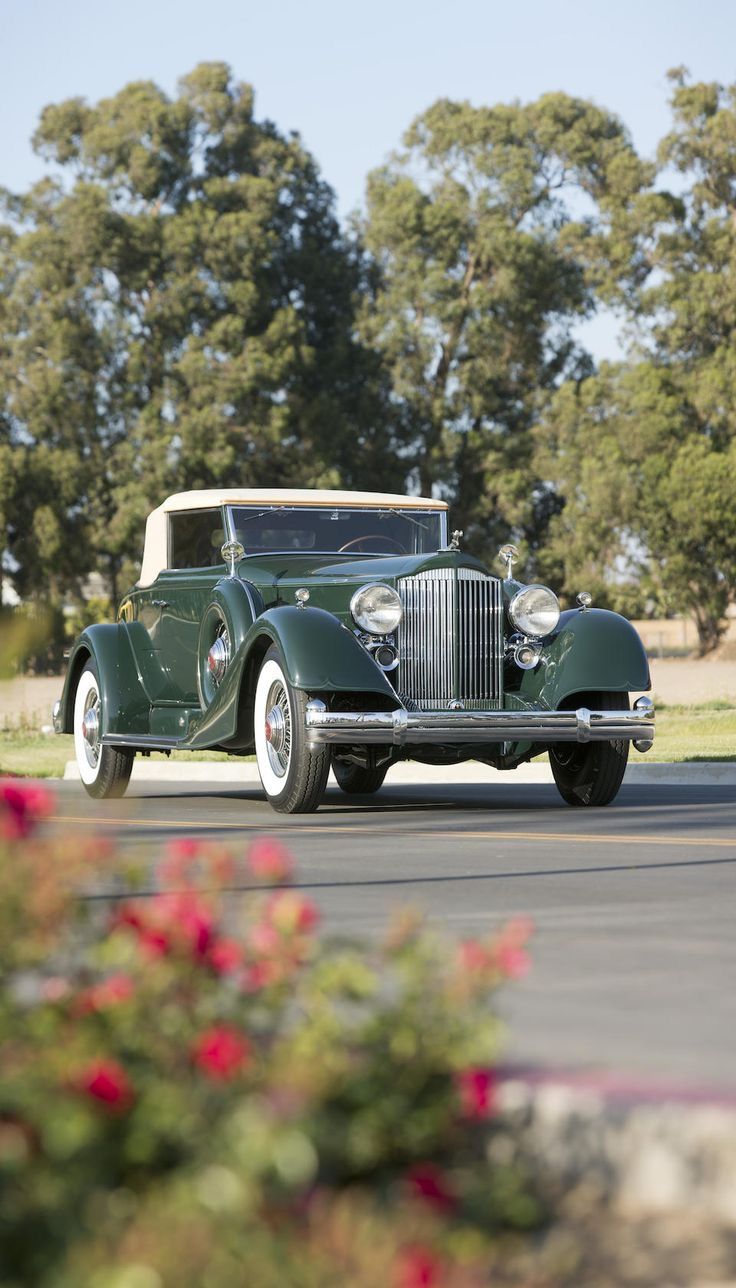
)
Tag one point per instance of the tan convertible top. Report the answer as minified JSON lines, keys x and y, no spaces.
{"x":155,"y":548}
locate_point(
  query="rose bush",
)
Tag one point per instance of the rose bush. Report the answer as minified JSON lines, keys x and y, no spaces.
{"x":196,"y":1089}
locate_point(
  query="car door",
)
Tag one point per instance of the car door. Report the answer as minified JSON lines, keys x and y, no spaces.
{"x":181,"y":594}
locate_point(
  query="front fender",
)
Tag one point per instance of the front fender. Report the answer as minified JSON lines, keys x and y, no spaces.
{"x":125,"y":706}
{"x":595,"y":650}
{"x":320,"y":656}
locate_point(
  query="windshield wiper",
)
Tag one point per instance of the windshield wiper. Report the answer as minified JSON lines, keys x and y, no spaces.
{"x":403,"y":515}
{"x":272,"y":509}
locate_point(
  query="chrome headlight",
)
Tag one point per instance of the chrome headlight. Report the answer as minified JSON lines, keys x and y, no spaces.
{"x":535,"y":611}
{"x":376,"y":609}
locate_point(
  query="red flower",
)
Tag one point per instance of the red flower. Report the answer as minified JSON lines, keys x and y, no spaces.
{"x":226,"y":955}
{"x":22,"y":805}
{"x":417,"y":1267}
{"x":291,"y":913}
{"x":258,"y":975}
{"x":107,"y":1081}
{"x":269,"y":860}
{"x":170,"y":921}
{"x":221,"y":1052}
{"x":109,"y":992}
{"x":428,"y":1182}
{"x":477,"y":1089}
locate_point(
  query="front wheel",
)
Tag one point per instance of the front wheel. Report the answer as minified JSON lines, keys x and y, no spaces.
{"x":293,"y":777}
{"x":104,"y":771}
{"x":591,"y":773}
{"x":357,"y":780}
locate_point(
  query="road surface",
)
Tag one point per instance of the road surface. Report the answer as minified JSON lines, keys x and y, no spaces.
{"x":635,"y":905}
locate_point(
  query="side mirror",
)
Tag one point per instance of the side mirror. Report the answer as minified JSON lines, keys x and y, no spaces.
{"x":232,"y":552}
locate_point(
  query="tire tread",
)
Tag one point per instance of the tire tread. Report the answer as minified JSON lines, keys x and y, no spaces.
{"x":597,"y":783}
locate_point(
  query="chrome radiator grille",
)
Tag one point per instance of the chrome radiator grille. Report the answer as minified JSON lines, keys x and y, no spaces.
{"x":450,"y":639}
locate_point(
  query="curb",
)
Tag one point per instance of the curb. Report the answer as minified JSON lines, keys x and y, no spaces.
{"x":684,"y":774}
{"x":649,"y":1149}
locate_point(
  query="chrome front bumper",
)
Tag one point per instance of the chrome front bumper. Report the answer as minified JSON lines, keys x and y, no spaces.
{"x":402,"y":727}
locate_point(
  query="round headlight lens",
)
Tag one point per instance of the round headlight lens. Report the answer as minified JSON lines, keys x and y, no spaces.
{"x":376,"y":609}
{"x":535,"y":611}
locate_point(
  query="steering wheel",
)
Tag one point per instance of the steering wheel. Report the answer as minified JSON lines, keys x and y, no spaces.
{"x":373,"y":536}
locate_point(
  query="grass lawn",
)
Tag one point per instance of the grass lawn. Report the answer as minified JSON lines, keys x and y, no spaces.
{"x":40,"y":755}
{"x":694,"y":733}
{"x":683,"y":733}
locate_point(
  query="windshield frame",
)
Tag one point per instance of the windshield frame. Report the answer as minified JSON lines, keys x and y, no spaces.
{"x":410,"y":512}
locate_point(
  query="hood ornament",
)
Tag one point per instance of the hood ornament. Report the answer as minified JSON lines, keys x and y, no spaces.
{"x":455,"y":543}
{"x":508,"y":555}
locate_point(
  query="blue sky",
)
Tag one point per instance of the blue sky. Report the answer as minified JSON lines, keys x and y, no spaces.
{"x":350,"y":77}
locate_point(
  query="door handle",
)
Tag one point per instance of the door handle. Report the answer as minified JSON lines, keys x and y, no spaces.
{"x":160,"y":603}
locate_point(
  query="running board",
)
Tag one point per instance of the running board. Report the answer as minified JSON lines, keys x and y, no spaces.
{"x":141,"y":742}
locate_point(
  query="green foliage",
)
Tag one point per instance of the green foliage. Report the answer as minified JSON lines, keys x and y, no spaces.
{"x":184,"y":1104}
{"x":176,"y":313}
{"x":644,"y":454}
{"x":481,"y":273}
{"x":179,"y":308}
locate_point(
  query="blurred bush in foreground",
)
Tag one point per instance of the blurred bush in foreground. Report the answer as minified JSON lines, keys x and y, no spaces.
{"x":198,"y":1090}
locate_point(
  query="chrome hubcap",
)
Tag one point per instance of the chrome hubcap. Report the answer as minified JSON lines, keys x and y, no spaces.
{"x":219,"y":656}
{"x":278,"y":729}
{"x":91,"y":729}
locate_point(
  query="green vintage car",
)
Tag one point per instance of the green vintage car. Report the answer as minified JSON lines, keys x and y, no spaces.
{"x":325,"y":629}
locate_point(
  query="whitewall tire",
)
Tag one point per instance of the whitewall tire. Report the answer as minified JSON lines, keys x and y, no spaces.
{"x":104,"y":771}
{"x":293,"y":777}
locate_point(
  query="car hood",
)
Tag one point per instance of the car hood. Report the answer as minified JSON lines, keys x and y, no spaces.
{"x":331,"y":579}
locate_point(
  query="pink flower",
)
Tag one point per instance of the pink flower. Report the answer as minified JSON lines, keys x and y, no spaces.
{"x":473,"y":956}
{"x":221,"y":1052}
{"x":428,"y":1183}
{"x":107,"y":1081}
{"x":109,"y":992}
{"x":291,"y":913}
{"x":178,"y":857}
{"x":510,"y":951}
{"x":417,"y":1267}
{"x":269,"y":860}
{"x":55,"y":988}
{"x":258,"y":975}
{"x":22,"y":806}
{"x":477,"y":1091}
{"x":264,"y":939}
{"x":512,"y":960}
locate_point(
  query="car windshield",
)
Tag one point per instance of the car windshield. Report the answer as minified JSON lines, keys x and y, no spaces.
{"x":331,"y":531}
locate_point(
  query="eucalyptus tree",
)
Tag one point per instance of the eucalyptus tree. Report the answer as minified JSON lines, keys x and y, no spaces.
{"x":490,"y":234}
{"x":177,"y":310}
{"x":658,"y":435}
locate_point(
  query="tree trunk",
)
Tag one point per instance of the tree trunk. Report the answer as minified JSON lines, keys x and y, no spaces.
{"x":710,"y":631}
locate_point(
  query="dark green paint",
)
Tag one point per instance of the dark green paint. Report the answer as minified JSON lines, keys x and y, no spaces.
{"x":148,"y":664}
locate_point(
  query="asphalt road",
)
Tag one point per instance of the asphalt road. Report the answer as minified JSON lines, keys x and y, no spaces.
{"x":635,"y":905}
